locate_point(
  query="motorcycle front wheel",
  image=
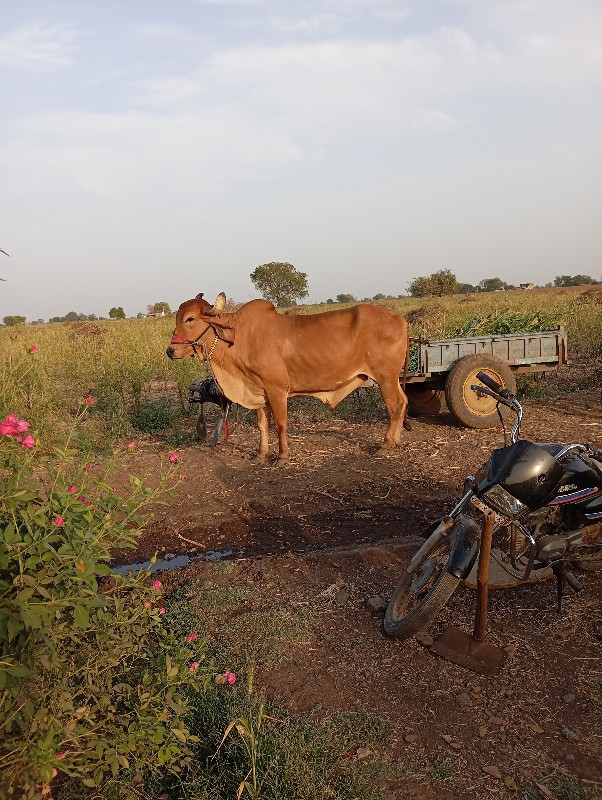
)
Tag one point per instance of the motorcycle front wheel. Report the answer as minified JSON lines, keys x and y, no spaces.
{"x":423,"y":589}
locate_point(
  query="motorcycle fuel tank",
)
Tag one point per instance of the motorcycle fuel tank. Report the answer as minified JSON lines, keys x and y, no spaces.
{"x":581,"y":484}
{"x":527,"y":471}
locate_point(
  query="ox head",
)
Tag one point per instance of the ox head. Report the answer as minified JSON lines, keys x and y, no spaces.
{"x":194,"y":319}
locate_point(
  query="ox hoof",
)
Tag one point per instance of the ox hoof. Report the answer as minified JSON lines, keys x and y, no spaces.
{"x":384,"y":451}
{"x":258,"y":460}
{"x":282,"y":462}
{"x":407,"y":424}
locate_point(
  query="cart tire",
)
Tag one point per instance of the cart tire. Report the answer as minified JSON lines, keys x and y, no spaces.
{"x":468,"y":407}
{"x":423,"y":400}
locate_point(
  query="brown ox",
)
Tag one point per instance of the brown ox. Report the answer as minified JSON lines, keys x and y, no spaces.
{"x":260,"y":357}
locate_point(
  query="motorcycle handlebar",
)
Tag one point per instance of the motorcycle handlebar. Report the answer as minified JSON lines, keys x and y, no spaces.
{"x":489,"y":382}
{"x":494,"y":385}
{"x":496,"y":395}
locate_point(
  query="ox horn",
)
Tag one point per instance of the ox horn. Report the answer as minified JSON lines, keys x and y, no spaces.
{"x":199,"y":296}
{"x":218,"y":307}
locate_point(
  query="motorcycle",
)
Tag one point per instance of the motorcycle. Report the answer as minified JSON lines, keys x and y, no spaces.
{"x":547,"y":503}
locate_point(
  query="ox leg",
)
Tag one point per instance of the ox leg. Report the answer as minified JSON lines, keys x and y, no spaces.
{"x":263,"y":423}
{"x":396,"y":403}
{"x":278,"y":403}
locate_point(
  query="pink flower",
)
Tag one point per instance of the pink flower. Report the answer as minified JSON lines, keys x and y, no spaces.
{"x":88,"y":467}
{"x":192,"y":637}
{"x":72,"y":489}
{"x":34,"y":348}
{"x":28,"y":442}
{"x":167,"y":714}
{"x":60,"y":755}
{"x":131,"y":445}
{"x":157,"y":585}
{"x":59,"y":522}
{"x":182,"y":476}
{"x":161,"y":611}
{"x":230,"y":677}
{"x":84,"y":500}
{"x":90,"y":401}
{"x":174,"y":458}
{"x":11,"y":426}
{"x":147,"y":604}
{"x":194,"y":666}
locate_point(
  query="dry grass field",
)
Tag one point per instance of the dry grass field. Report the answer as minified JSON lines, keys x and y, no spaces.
{"x":122,"y":364}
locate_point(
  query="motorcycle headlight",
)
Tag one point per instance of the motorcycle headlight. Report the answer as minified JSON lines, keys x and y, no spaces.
{"x":502,"y":501}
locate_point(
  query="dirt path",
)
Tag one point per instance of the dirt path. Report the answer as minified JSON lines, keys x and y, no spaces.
{"x":316,"y":538}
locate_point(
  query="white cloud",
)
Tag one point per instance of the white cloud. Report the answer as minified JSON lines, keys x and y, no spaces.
{"x":164,"y":92}
{"x":38,"y":47}
{"x":319,"y":95}
{"x":121,"y":157}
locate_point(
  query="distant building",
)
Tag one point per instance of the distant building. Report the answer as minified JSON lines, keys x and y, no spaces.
{"x":527,"y":286}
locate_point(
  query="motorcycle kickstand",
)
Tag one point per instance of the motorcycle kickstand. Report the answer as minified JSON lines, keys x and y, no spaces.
{"x":564,"y":576}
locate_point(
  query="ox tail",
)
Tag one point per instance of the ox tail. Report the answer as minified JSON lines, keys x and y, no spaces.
{"x":405,"y":366}
{"x":405,"y":422}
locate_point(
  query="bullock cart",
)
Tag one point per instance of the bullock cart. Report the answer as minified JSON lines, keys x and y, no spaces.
{"x":441,"y":371}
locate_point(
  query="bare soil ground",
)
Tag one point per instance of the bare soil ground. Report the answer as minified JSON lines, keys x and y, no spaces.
{"x":337,"y":525}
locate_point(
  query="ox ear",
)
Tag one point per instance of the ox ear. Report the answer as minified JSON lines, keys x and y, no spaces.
{"x":222,"y":330}
{"x":226,"y":334}
{"x":218,"y":307}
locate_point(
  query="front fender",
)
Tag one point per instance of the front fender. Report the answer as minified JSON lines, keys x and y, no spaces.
{"x":466,"y":550}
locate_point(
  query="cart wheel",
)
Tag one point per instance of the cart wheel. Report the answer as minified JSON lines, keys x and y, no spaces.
{"x":423,"y":400}
{"x":470,"y":408}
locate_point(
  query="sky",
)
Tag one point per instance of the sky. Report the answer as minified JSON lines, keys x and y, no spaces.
{"x":151,"y":150}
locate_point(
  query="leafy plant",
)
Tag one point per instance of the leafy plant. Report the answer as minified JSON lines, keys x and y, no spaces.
{"x":152,"y":416}
{"x":90,"y":680}
{"x":505,"y":321}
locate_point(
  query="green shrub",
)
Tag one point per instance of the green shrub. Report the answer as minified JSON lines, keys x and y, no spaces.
{"x":152,"y":416}
{"x":91,"y":682}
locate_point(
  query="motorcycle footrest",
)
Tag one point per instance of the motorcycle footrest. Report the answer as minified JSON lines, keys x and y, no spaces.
{"x":572,"y":581}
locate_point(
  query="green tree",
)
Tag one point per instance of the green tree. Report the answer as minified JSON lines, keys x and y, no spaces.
{"x":379,"y":296}
{"x":435,"y":285}
{"x":13,"y":319}
{"x":161,"y":307}
{"x":573,"y":280}
{"x":116,"y":312}
{"x":280,"y":283}
{"x":345,"y":298}
{"x":492,"y":285}
{"x":466,"y":288}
